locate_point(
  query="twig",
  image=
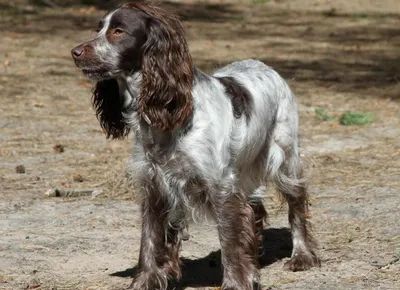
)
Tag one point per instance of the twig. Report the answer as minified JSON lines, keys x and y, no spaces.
{"x":55,"y":192}
{"x":99,"y":184}
{"x":47,"y":3}
{"x":380,"y":266}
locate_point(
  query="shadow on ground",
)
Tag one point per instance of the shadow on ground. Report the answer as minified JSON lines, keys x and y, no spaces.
{"x":344,"y":59}
{"x":207,"y":271}
{"x":36,"y":19}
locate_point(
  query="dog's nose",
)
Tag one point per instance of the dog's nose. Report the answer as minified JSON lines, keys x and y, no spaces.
{"x":77,"y":52}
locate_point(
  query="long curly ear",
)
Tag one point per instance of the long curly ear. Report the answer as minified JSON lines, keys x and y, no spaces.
{"x":165,"y":101}
{"x":109,"y":106}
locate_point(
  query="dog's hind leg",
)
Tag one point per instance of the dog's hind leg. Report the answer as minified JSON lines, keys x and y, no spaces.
{"x":260,"y":217}
{"x":285,"y":169}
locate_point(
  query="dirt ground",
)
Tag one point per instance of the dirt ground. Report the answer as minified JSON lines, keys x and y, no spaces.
{"x":341,"y":56}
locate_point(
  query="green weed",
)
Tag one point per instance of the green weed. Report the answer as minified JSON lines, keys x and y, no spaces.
{"x":259,"y":1}
{"x":346,"y":119}
{"x":322,"y":115}
{"x":356,"y":118}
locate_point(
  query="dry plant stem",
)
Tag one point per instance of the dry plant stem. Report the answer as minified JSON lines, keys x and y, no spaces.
{"x":55,"y":192}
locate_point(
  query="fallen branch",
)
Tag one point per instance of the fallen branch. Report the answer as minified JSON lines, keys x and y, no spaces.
{"x":55,"y":192}
{"x":380,"y":266}
{"x":47,"y":3}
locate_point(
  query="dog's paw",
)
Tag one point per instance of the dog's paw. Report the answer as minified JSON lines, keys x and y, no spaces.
{"x":302,"y":262}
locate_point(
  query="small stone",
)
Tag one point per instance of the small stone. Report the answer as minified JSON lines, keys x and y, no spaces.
{"x":78,"y":178}
{"x":97,"y":192}
{"x":59,"y":148}
{"x":20,"y":169}
{"x":51,"y":193}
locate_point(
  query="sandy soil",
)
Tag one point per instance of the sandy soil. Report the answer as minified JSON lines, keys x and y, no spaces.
{"x":341,"y":57}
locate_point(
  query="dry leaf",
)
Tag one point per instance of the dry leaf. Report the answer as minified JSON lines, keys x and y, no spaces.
{"x":87,"y":11}
{"x":85,"y":84}
{"x":6,"y":63}
{"x":38,"y":105}
{"x":333,"y":124}
{"x":59,"y":148}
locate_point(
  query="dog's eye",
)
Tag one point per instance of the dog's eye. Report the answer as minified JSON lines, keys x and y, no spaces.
{"x":118,"y":31}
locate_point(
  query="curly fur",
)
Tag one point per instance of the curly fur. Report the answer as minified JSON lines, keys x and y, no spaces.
{"x":165,"y":101}
{"x":109,"y":109}
{"x":203,"y":143}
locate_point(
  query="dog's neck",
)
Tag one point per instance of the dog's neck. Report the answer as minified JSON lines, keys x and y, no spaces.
{"x":129,"y":88}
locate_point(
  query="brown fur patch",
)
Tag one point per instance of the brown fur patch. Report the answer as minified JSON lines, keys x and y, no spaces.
{"x":165,"y":101}
{"x":108,"y":106}
{"x":240,"y":97}
{"x":237,"y":232}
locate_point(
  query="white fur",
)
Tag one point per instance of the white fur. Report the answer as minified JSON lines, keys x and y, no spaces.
{"x":102,"y":47}
{"x":225,"y":152}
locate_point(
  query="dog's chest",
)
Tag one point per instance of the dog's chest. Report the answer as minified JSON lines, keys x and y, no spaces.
{"x":177,"y":172}
{"x":180,"y":179}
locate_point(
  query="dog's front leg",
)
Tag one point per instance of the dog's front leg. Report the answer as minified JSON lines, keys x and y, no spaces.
{"x":159,"y":258}
{"x":237,"y":234}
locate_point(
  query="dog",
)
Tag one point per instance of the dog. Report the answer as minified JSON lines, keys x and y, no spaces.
{"x":203,"y":143}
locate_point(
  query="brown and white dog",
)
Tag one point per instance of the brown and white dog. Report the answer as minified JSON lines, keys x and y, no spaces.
{"x":203,"y":143}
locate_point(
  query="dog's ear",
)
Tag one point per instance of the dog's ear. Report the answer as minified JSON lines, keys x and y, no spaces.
{"x":165,"y":101}
{"x":108,"y":106}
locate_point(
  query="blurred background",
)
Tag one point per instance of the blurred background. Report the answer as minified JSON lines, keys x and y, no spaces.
{"x":342,"y":60}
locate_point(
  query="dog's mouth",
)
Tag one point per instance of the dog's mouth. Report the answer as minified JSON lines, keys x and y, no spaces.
{"x":97,"y":73}
{"x":92,"y":71}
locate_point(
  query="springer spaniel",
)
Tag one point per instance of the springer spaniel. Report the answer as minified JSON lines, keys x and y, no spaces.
{"x":203,"y":143}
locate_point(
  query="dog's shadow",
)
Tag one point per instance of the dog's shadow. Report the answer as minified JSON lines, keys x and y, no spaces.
{"x":207,"y":271}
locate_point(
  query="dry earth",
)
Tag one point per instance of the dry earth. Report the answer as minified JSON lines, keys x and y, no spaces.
{"x":342,"y":57}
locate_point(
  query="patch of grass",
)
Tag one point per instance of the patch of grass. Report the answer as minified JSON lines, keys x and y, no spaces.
{"x":29,"y":52}
{"x":322,"y":115}
{"x":346,"y":119}
{"x":259,"y":1}
{"x":356,"y":118}
{"x":359,"y":15}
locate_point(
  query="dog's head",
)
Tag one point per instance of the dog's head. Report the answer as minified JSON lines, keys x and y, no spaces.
{"x":142,"y":37}
{"x":120,"y":38}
